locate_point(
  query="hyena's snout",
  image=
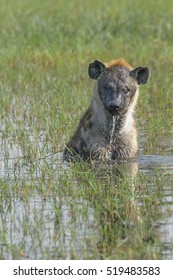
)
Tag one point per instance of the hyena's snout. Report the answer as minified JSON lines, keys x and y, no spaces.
{"x":115,"y":104}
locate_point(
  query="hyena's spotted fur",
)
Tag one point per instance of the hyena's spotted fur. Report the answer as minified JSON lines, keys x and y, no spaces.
{"x":115,"y":96}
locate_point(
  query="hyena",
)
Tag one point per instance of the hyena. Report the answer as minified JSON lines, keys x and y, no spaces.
{"x":107,"y":129}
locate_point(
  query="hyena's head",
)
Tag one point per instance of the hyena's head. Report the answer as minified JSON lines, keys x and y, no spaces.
{"x":117,"y":84}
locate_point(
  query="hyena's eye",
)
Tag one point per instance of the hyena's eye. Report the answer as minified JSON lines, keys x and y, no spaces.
{"x":106,"y":87}
{"x":126,"y":90}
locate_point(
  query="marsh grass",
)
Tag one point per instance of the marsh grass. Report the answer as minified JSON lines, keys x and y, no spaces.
{"x":77,"y":214}
{"x":49,"y":209}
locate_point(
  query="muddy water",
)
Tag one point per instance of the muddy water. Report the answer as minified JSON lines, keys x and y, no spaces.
{"x":14,"y":165}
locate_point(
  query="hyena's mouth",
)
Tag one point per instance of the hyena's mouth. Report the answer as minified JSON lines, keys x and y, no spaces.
{"x":116,"y":111}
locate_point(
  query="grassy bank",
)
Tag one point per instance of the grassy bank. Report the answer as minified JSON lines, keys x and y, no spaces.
{"x":48,"y":209}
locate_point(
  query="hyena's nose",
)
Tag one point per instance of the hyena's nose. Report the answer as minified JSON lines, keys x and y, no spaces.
{"x":114,"y":106}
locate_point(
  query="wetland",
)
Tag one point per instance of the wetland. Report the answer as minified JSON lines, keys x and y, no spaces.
{"x":50,"y":209}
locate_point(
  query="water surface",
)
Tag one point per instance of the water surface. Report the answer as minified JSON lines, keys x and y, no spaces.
{"x":68,"y":229}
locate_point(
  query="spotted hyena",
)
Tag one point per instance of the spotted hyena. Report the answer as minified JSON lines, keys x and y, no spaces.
{"x":107,"y":129}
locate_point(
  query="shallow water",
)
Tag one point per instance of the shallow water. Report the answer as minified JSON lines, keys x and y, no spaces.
{"x":161,"y":160}
{"x":148,"y":164}
{"x":15,"y":166}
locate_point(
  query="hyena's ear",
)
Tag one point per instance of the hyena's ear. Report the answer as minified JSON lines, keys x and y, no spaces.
{"x":95,"y":68}
{"x":140,"y":74}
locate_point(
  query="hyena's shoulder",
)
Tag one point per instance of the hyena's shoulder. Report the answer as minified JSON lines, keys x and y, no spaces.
{"x":77,"y":143}
{"x":86,"y":121}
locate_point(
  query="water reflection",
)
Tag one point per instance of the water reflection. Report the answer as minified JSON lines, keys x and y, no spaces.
{"x":164,"y":165}
{"x":67,"y":229}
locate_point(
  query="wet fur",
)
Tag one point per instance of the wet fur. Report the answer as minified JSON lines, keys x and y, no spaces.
{"x":91,"y":139}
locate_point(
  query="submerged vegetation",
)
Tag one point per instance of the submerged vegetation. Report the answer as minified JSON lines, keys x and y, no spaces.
{"x":53,"y":210}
